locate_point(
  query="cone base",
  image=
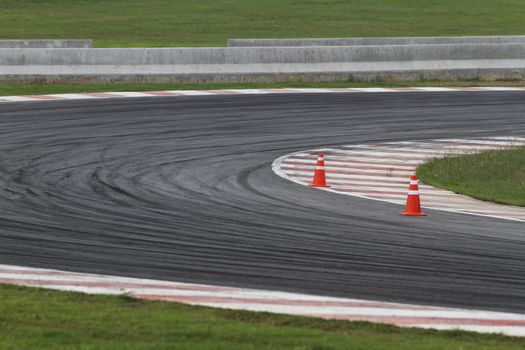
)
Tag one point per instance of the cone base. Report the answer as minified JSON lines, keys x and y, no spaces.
{"x":312,"y":185}
{"x":412,"y":214}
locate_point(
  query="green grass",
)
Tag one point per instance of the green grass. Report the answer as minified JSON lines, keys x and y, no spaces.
{"x":138,"y":23}
{"x":496,"y":176}
{"x":20,"y":89}
{"x":41,"y":319}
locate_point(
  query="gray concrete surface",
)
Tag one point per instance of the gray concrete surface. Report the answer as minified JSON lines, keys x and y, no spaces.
{"x":397,"y":62}
{"x":46,"y":44}
{"x":256,"y":55}
{"x":181,"y":189}
{"x":511,"y":39}
{"x":381,"y":71}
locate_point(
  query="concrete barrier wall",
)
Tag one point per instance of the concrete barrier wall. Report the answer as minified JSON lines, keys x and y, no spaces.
{"x":197,"y":56}
{"x":46,"y":44}
{"x":516,"y":39}
{"x":406,"y":62}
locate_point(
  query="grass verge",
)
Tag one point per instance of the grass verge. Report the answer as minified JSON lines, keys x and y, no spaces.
{"x":139,"y":23}
{"x":32,"y":318}
{"x":20,"y":89}
{"x":496,"y":176}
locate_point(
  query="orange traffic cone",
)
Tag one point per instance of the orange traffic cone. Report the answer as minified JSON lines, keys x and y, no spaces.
{"x":319,"y":174}
{"x":413,"y":207}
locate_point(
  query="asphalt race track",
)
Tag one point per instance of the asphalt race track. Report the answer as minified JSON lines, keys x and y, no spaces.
{"x":182,"y":189}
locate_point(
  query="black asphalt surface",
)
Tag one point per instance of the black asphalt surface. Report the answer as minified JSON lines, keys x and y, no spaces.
{"x":182,"y":189}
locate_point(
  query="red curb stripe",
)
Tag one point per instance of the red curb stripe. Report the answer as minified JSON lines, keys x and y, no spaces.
{"x":285,"y":91}
{"x":41,"y":97}
{"x":360,"y":190}
{"x":467,"y":89}
{"x":375,"y":184}
{"x":99,"y":94}
{"x":446,"y":150}
{"x":284,"y":302}
{"x":410,"y":152}
{"x":160,"y":93}
{"x":359,"y":161}
{"x":372,"y":178}
{"x":390,"y":155}
{"x":414,"y":321}
{"x":359,"y":167}
{"x":212,"y":92}
{"x":385,"y":172}
{"x":342,"y":155}
{"x":341,"y":180}
{"x":406,"y":90}
{"x":223,"y":92}
{"x":480,"y":145}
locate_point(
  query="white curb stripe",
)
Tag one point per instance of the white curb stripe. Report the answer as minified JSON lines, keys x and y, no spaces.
{"x":369,"y":172}
{"x":73,"y":97}
{"x":270,"y":301}
{"x":167,"y":93}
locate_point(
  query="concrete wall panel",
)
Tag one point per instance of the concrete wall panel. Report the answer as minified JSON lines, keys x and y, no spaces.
{"x":267,"y":64}
{"x":513,"y":39}
{"x":46,"y":44}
